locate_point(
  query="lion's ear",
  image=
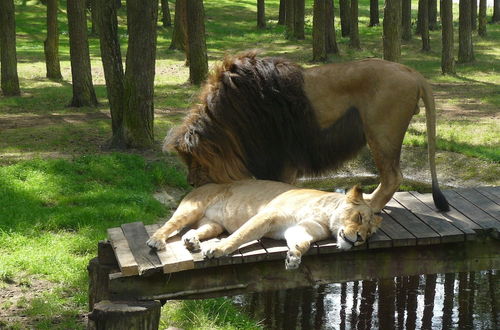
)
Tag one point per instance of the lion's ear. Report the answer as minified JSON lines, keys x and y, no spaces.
{"x":355,"y":194}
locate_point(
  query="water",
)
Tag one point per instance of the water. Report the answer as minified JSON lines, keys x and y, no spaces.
{"x":437,"y":301}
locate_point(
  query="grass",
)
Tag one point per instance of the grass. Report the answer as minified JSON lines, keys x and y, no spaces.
{"x":60,"y":188}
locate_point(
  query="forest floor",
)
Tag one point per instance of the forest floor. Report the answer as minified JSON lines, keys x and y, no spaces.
{"x":62,"y":187}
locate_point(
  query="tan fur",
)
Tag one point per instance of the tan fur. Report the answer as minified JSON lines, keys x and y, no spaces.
{"x":252,"y":209}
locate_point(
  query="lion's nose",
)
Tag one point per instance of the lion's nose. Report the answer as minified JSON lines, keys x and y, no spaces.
{"x":359,"y":238}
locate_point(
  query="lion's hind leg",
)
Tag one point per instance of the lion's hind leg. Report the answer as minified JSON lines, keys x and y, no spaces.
{"x":206,"y":229}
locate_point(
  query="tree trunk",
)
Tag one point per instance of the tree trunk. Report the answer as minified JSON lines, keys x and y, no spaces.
{"x":198,"y":62}
{"x":424,"y":26}
{"x":330,"y":37}
{"x":166,"y":19}
{"x":125,"y":315}
{"x":465,"y":50}
{"x":83,"y":90}
{"x":140,"y":72}
{"x":51,"y":44}
{"x":179,"y":35}
{"x":392,"y":31}
{"x":353,"y":26}
{"x":282,"y":12}
{"x":299,"y":13}
{"x":447,"y":58}
{"x":496,"y":12}
{"x":318,"y":33}
{"x":261,"y":14}
{"x":482,"y":18}
{"x":107,"y":24}
{"x":374,"y":19}
{"x":406,"y":20}
{"x":290,"y":19}
{"x":473,"y":16}
{"x":433,"y":15}
{"x":345,"y":17}
{"x":94,"y":30}
{"x":8,"y":56}
{"x":418,"y":29}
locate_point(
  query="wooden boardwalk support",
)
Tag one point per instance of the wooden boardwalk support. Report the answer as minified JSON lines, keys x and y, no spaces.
{"x":414,"y":239}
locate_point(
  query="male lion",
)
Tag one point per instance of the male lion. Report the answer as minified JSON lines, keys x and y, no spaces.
{"x":268,"y":118}
{"x":252,"y":209}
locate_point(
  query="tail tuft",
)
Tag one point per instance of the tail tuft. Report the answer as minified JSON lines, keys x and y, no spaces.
{"x":439,"y":200}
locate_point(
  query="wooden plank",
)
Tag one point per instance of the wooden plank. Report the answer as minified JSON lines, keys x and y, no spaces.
{"x":471,"y":211}
{"x":327,"y":246}
{"x":184,"y":258}
{"x":453,"y":216}
{"x":166,"y":256}
{"x":252,"y":252}
{"x":487,"y":193}
{"x":399,"y":235}
{"x":275,"y":249}
{"x":495,"y":191}
{"x":421,"y":231}
{"x":124,"y":256}
{"x":379,"y":240}
{"x":484,"y":203}
{"x":433,"y":219}
{"x":146,"y":258}
{"x":200,"y":261}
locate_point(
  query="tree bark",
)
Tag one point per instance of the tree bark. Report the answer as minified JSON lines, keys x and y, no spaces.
{"x":465,"y":49}
{"x":482,"y":18}
{"x":374,"y":17}
{"x":51,"y":44}
{"x":345,"y":17}
{"x":496,"y":12}
{"x":299,"y":13}
{"x":353,"y":26}
{"x":392,"y":31}
{"x":113,"y":66}
{"x":282,"y":12}
{"x":179,"y":35}
{"x":8,"y":55}
{"x":166,"y":19}
{"x":418,"y":29}
{"x":330,"y":37}
{"x":406,"y":20}
{"x":94,"y":30}
{"x":125,"y":315}
{"x":140,"y":72}
{"x":473,"y":16}
{"x":447,"y":58}
{"x":290,"y":19}
{"x":318,"y":33}
{"x":83,"y":90}
{"x":198,"y":62}
{"x":261,"y":14}
{"x":433,"y":15}
{"x":424,"y":25}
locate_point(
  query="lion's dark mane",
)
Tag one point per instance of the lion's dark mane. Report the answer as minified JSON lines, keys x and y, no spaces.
{"x":255,"y":109}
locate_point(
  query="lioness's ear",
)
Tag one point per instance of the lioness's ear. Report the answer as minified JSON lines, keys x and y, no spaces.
{"x":355,"y":194}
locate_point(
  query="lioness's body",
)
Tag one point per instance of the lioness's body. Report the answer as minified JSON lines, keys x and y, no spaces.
{"x":270,"y":119}
{"x":252,"y":209}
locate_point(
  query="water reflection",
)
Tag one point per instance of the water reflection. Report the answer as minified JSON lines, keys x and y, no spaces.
{"x":435,"y":301}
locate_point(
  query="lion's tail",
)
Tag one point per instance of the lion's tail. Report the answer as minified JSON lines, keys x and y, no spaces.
{"x":430,"y":115}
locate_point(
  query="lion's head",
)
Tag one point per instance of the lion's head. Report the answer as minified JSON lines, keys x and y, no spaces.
{"x":354,"y":220}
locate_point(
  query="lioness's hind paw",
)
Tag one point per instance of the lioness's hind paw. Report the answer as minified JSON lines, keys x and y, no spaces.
{"x":156,"y":243}
{"x":212,"y":252}
{"x":192,"y":243}
{"x":292,"y":261}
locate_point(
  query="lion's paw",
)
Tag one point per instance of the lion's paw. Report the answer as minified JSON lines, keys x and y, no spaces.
{"x":213,"y":251}
{"x":191,"y":242}
{"x":292,"y":260}
{"x":156,"y":243}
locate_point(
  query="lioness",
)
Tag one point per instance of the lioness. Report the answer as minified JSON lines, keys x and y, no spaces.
{"x":252,"y":209}
{"x":270,"y":119}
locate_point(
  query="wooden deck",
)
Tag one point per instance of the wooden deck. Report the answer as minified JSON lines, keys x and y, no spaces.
{"x":410,"y":220}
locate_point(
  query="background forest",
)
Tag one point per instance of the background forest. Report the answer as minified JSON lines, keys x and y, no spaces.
{"x":65,"y":177}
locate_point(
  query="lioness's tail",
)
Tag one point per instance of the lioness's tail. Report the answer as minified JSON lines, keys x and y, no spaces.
{"x":430,"y":115}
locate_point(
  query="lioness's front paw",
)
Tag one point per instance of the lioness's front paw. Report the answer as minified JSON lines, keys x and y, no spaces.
{"x":156,"y":243}
{"x":191,"y":242}
{"x":292,"y":260}
{"x":213,"y":251}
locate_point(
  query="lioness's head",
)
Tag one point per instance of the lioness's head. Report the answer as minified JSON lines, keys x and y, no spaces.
{"x":354,"y":220}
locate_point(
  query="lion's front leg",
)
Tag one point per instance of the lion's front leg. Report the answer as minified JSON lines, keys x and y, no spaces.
{"x":206,"y":229}
{"x":255,"y":228}
{"x":299,"y":239}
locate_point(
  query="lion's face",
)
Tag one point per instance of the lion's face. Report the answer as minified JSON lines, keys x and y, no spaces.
{"x":357,"y":220}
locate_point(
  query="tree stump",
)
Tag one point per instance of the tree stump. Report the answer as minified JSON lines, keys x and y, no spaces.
{"x":123,"y":315}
